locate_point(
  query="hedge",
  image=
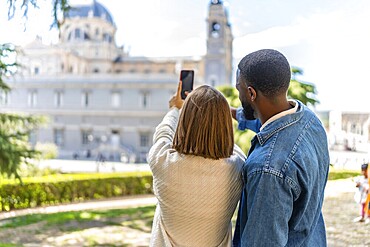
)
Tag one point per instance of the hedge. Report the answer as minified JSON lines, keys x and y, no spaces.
{"x":33,"y":194}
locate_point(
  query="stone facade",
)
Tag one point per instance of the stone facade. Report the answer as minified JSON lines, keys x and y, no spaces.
{"x":98,"y":98}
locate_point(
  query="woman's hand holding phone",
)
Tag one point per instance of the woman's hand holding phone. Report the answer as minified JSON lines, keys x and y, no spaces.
{"x":176,"y":100}
{"x":233,"y":112}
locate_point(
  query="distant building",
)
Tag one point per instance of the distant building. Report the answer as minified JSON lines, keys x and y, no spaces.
{"x":348,"y":137}
{"x":100,"y":100}
{"x":352,"y":129}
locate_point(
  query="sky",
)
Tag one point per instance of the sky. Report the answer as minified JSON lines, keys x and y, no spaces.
{"x":328,"y":39}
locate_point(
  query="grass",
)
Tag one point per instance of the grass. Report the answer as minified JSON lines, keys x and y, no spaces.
{"x":335,"y":173}
{"x":135,"y":218}
{"x":83,"y":225}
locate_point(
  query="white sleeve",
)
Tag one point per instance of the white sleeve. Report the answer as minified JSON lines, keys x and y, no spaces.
{"x":239,"y":152}
{"x":163,"y":135}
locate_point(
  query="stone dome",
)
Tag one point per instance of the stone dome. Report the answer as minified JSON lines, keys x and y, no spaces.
{"x":93,"y":9}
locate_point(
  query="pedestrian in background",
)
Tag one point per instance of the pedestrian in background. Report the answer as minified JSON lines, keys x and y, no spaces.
{"x":360,"y":197}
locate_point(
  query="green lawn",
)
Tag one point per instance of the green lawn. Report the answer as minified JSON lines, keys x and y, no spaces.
{"x":335,"y":173}
{"x":131,"y":215}
{"x":135,"y":218}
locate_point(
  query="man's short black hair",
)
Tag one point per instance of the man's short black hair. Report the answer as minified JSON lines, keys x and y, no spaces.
{"x":266,"y":70}
{"x":364,"y":166}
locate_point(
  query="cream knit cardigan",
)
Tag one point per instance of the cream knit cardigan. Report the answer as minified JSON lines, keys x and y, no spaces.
{"x":196,"y":196}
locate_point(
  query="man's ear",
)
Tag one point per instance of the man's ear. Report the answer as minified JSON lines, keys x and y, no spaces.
{"x":252,"y":93}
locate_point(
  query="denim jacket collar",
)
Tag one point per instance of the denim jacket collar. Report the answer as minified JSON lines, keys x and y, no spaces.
{"x":280,"y":124}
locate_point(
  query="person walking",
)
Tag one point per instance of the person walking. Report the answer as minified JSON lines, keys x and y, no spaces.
{"x":287,"y":166}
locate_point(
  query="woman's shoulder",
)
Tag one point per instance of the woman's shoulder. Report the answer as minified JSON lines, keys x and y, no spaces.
{"x":238,"y":153}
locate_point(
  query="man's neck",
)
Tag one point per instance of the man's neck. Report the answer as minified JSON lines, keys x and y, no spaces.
{"x":269,"y":108}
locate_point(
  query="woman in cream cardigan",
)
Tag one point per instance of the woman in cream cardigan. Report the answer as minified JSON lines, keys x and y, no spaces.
{"x":196,"y":172}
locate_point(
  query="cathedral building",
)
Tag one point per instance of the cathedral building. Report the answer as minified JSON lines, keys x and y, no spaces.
{"x":98,"y":98}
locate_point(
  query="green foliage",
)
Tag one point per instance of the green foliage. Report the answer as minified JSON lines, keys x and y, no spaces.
{"x":231,"y":95}
{"x":71,"y":189}
{"x":47,"y":150}
{"x":7,"y":64}
{"x":10,"y":245}
{"x":60,"y":9}
{"x":58,"y":177}
{"x":243,"y":139}
{"x":303,"y":91}
{"x":14,"y":129}
{"x":14,"y":146}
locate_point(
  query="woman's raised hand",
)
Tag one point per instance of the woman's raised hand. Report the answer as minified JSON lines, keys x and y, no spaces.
{"x":176,"y":100}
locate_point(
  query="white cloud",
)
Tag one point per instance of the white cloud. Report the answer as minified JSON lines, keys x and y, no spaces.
{"x":275,"y":37}
{"x":316,"y":28}
{"x":332,"y":48}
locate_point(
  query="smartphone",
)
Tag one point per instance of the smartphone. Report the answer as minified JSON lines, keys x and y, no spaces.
{"x":187,"y":78}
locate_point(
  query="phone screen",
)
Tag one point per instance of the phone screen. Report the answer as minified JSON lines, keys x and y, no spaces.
{"x":187,"y":78}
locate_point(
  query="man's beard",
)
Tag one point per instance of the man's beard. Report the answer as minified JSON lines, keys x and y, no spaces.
{"x":248,"y":111}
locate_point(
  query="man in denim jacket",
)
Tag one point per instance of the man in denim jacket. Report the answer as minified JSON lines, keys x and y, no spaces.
{"x":287,"y":166}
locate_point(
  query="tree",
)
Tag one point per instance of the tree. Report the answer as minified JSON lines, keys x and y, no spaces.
{"x":302,"y":91}
{"x":60,"y":8}
{"x":15,"y":128}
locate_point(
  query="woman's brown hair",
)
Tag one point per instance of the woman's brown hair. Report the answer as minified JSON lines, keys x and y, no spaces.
{"x":205,"y":125}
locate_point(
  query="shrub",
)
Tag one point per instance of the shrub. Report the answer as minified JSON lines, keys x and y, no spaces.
{"x":45,"y":193}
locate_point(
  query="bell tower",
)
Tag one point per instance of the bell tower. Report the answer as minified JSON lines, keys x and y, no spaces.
{"x":218,"y":60}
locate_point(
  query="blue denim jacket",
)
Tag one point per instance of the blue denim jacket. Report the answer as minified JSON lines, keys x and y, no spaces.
{"x":284,"y":180}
